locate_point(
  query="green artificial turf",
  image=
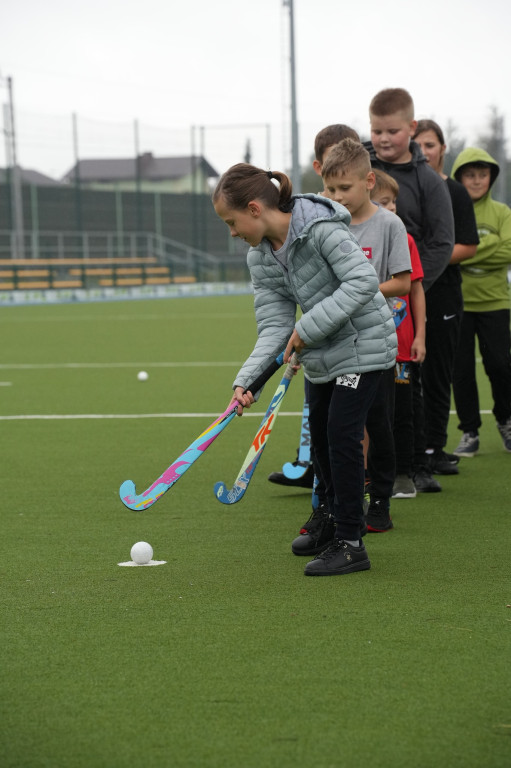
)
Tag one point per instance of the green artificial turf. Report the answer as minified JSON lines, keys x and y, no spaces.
{"x":227,"y":656}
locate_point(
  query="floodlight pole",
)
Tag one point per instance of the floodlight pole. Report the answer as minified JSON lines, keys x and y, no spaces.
{"x":77,"y":180}
{"x":16,"y":194}
{"x":295,"y":162}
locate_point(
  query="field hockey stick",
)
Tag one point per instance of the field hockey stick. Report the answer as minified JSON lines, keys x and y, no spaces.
{"x":127,"y":491}
{"x":255,"y":451}
{"x":300,"y":467}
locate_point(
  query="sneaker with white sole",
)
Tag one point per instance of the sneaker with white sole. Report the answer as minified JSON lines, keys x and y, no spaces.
{"x":404,"y":488}
{"x":505,"y":433}
{"x":468,"y":445}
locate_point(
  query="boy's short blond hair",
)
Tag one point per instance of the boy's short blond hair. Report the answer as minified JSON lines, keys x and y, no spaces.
{"x":384,"y":183}
{"x":392,"y":100}
{"x":348,"y":155}
{"x":331,"y":135}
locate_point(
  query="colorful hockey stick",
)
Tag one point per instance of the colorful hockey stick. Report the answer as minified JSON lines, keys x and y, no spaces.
{"x":127,"y":491}
{"x":255,"y":451}
{"x":300,"y":467}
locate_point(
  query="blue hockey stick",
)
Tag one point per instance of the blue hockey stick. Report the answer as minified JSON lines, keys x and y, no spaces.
{"x":127,"y":491}
{"x":255,"y":451}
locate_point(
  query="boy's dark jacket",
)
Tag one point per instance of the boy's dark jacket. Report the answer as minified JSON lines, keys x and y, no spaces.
{"x":424,"y":205}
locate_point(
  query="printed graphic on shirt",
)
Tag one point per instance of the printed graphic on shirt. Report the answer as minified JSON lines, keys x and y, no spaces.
{"x":383,"y":239}
{"x":349,"y":380}
{"x":399,"y":310}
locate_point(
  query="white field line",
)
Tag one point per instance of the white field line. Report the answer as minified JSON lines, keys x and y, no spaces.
{"x":165,"y":364}
{"x":140,"y":366}
{"x":70,"y":416}
{"x":75,"y":416}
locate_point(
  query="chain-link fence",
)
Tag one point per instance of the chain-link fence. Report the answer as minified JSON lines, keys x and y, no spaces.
{"x":50,"y":196}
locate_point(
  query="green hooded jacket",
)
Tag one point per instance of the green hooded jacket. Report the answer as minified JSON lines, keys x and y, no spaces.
{"x":485,"y":285}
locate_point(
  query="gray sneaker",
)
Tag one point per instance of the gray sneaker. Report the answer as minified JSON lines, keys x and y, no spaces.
{"x":505,"y":432}
{"x":469,"y":444}
{"x":404,"y":488}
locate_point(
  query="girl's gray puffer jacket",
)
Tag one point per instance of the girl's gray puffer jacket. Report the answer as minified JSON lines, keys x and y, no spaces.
{"x":346,"y":322}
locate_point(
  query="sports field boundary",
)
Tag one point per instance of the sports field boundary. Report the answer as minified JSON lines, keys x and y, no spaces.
{"x":84,"y":295}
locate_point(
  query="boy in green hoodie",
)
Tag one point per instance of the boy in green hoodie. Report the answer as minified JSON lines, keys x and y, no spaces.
{"x":486,"y":311}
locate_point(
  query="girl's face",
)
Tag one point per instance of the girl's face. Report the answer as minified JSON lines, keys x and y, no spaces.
{"x":245,"y":224}
{"x":432,"y":149}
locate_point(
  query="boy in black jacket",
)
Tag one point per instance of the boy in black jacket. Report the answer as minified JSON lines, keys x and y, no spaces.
{"x":424,"y":205}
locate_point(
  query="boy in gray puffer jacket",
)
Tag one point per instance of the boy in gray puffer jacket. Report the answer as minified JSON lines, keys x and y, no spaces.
{"x":302,"y":254}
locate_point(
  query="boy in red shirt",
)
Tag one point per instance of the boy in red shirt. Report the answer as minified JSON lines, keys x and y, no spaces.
{"x":410,"y":320}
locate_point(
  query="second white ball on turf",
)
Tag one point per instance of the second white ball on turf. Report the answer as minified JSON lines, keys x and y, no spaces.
{"x":141,"y":553}
{"x":142,"y":375}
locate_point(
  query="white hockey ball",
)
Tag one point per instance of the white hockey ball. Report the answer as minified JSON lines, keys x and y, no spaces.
{"x":142,"y":375}
{"x":141,"y":553}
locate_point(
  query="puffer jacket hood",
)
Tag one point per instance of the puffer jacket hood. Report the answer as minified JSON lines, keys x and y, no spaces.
{"x":471,"y":156}
{"x":309,"y":209}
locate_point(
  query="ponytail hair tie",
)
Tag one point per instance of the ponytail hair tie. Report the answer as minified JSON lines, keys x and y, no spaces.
{"x":269,"y":174}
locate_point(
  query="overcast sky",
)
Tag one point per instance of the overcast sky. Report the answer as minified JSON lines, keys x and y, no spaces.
{"x":165,"y":66}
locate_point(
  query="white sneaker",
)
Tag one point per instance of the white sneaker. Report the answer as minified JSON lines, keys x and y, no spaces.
{"x":469,"y":445}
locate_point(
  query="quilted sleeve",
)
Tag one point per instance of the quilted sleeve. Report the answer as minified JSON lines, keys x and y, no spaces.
{"x":348,"y":282}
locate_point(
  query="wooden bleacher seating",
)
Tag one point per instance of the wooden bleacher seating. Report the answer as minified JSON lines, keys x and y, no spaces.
{"x":43,"y":274}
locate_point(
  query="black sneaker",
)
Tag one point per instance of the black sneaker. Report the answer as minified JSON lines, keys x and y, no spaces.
{"x":440,"y":463}
{"x":339,"y":558}
{"x":425,"y":482}
{"x":305,"y":481}
{"x":378,"y":516}
{"x":317,"y":533}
